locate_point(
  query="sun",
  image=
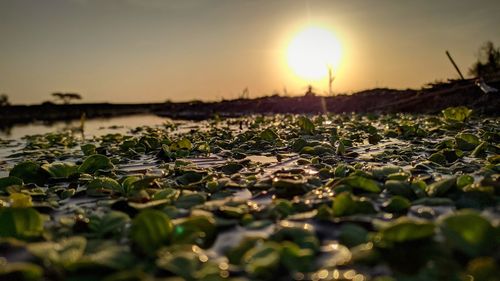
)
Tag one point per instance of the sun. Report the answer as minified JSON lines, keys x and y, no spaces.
{"x":312,"y":52}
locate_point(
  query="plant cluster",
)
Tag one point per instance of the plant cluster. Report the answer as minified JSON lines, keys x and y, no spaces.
{"x":283,"y":197}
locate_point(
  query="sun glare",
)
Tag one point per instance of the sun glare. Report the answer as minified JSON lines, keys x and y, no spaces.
{"x":312,"y":52}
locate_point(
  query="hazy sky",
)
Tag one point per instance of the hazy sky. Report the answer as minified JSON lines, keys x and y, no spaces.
{"x":154,"y":50}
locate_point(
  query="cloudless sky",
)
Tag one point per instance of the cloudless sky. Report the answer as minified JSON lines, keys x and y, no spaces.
{"x":154,"y":50}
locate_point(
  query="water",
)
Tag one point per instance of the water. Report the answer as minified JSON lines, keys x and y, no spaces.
{"x":92,"y":127}
{"x":11,"y":139}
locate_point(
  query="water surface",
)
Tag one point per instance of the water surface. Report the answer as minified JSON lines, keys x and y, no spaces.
{"x":92,"y":127}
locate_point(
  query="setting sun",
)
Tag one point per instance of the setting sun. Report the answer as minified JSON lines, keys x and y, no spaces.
{"x":312,"y":51}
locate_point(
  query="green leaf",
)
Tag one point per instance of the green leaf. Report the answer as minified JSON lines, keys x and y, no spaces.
{"x":289,"y":187}
{"x":342,"y":170}
{"x":263,"y":260}
{"x":189,"y":200}
{"x":190,"y":176}
{"x":88,"y":149}
{"x":233,"y":212}
{"x":441,"y":187}
{"x":464,"y":180}
{"x":374,"y":138}
{"x":470,"y":233}
{"x":30,"y":172}
{"x":438,"y":158}
{"x":306,"y":125}
{"x":404,"y":229}
{"x":352,"y":235}
{"x":60,"y":170}
{"x":466,"y":141}
{"x":298,"y":144}
{"x":20,"y":200}
{"x":396,"y":204}
{"x":150,"y":230}
{"x":296,"y":259}
{"x":480,"y":150}
{"x":343,"y":204}
{"x":109,"y":224}
{"x":305,"y":238}
{"x":103,"y":186}
{"x":458,"y":114}
{"x":141,"y":183}
{"x":21,"y":271}
{"x":282,"y":208}
{"x":199,"y":230}
{"x":362,"y":183}
{"x":268,"y":135}
{"x":65,"y":253}
{"x":111,"y":255}
{"x":236,"y":253}
{"x":231,"y":168}
{"x":128,"y":184}
{"x":95,"y":163}
{"x":340,"y":148}
{"x":382,"y":173}
{"x":185,"y":143}
{"x":483,"y":269}
{"x":452,"y":155}
{"x":21,"y":223}
{"x":183,"y":263}
{"x":321,"y":149}
{"x":401,"y":188}
{"x":9,"y":181}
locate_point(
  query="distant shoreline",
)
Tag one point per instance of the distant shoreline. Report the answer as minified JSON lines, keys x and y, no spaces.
{"x":381,"y":100}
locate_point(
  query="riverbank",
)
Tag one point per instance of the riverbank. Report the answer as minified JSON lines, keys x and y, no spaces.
{"x":427,"y":100}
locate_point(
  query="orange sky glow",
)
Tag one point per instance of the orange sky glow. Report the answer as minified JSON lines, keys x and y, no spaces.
{"x":152,"y":50}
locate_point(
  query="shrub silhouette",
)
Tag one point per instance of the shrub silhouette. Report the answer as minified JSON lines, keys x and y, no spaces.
{"x":67,"y":97}
{"x":4,"y":100}
{"x":488,"y":63}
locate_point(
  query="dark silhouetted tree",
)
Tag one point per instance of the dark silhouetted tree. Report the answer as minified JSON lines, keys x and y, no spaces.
{"x":331,"y":78}
{"x":488,"y":61}
{"x":4,"y":100}
{"x":67,"y":97}
{"x":245,"y":94}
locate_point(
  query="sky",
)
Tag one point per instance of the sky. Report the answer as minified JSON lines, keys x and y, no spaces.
{"x":126,"y":51}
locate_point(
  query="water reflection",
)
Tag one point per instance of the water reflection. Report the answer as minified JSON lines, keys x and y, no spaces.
{"x":92,"y":127}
